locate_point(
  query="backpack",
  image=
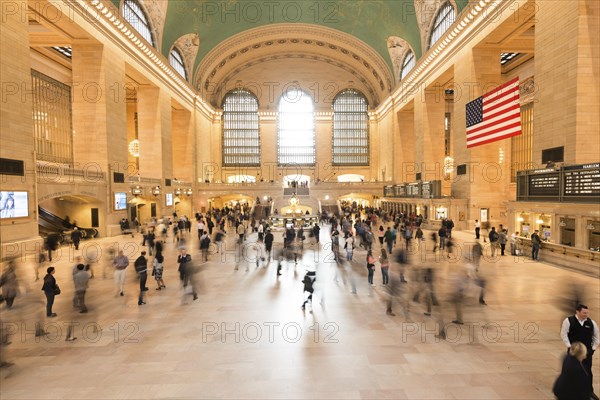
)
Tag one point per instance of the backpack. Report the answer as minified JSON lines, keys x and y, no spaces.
{"x":205,"y":242}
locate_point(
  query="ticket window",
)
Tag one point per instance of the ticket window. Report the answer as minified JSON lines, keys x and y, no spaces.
{"x":593,"y":228}
{"x":523,"y":225}
{"x":545,"y":232}
{"x":567,"y":231}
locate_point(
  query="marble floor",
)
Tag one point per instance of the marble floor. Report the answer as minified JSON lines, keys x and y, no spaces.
{"x":246,"y":336}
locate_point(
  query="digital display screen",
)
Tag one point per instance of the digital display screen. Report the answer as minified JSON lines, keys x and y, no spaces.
{"x":120,"y":201}
{"x":169,"y":199}
{"x":14,"y":204}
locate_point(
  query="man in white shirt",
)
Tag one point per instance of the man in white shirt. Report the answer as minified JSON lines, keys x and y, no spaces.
{"x":580,"y":328}
{"x":477,"y":228}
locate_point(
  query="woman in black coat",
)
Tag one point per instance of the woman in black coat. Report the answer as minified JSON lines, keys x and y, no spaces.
{"x":573,"y":382}
{"x":50,"y":289}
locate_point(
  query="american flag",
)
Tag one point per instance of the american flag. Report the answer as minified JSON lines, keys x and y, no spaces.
{"x":495,"y":115}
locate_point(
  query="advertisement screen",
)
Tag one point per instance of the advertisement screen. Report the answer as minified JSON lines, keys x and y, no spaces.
{"x":169,"y":200}
{"x":120,"y":200}
{"x":14,"y":204}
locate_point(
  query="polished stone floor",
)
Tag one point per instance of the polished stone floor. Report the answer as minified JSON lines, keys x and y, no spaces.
{"x":246,"y":336}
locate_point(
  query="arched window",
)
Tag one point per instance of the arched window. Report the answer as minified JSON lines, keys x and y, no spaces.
{"x":241,"y":140}
{"x":296,"y":129}
{"x":407,"y":64}
{"x":176,"y":61}
{"x":443,"y":20}
{"x":350,"y":129}
{"x":133,"y":13}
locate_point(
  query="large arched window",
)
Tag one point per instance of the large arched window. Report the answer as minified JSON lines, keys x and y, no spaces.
{"x":350,"y":129}
{"x":241,"y":140}
{"x":133,"y":13}
{"x":176,"y":61}
{"x":407,"y":64}
{"x":443,"y":20}
{"x":296,"y":129}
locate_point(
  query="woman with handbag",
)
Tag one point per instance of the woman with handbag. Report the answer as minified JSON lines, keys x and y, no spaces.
{"x":50,"y":289}
{"x":370,"y":266}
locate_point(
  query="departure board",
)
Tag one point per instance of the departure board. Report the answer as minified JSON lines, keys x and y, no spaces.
{"x":581,"y":180}
{"x":544,"y":182}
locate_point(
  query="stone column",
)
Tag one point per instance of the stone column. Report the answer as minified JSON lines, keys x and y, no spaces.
{"x":566,"y":77}
{"x":487,"y":182}
{"x":16,"y":128}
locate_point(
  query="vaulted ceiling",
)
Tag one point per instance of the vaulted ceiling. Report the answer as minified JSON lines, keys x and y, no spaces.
{"x":355,"y":39}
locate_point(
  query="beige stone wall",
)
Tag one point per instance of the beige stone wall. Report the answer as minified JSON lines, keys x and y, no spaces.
{"x":16,"y":136}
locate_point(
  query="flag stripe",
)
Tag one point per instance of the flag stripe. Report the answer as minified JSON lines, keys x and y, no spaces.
{"x":493,"y":139}
{"x":514,"y":123}
{"x":494,"y":116}
{"x":497,"y":119}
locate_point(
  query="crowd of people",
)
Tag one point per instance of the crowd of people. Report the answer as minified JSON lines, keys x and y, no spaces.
{"x":416,"y":274}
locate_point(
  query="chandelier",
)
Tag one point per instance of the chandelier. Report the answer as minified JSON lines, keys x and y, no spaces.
{"x":134,"y":148}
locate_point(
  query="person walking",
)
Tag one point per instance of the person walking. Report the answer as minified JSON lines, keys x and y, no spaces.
{"x":572,"y":383}
{"x":370,"y":267}
{"x":81,"y":279}
{"x":51,"y":290}
{"x":120,"y":264}
{"x":380,"y":234}
{"x":269,"y":243}
{"x":349,"y":246}
{"x":309,"y":282}
{"x":477,"y":228}
{"x":385,"y":266}
{"x":9,"y":284}
{"x":204,"y":245}
{"x":581,"y":328}
{"x":141,"y":267}
{"x":157,"y":271}
{"x":388,"y":238}
{"x":503,"y":238}
{"x":494,"y":237}
{"x":76,"y":237}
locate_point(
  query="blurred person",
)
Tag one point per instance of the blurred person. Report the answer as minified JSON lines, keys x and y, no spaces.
{"x":184,"y":260}
{"x":76,"y":237}
{"x":308,"y":281}
{"x":9,"y":284}
{"x":141,"y":267}
{"x":349,"y":246}
{"x":513,"y":243}
{"x":477,"y":228}
{"x":41,"y":263}
{"x":380,"y":234}
{"x":51,"y":244}
{"x":476,"y":253}
{"x":120,"y":263}
{"x":503,"y":238}
{"x":388,"y":238}
{"x":157,"y":271}
{"x":268,"y":243}
{"x":51,"y":290}
{"x":573,"y":381}
{"x":494,"y":237}
{"x":316,"y":230}
{"x":459,"y":283}
{"x":151,"y":238}
{"x":81,"y":279}
{"x":385,"y":266}
{"x":370,"y":267}
{"x":581,"y":328}
{"x":204,"y":246}
{"x":442,"y":236}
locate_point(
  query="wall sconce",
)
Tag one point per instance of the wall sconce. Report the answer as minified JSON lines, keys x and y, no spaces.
{"x":562,"y":223}
{"x":189,"y":192}
{"x":539,"y":221}
{"x":178,"y":191}
{"x":590,"y":227}
{"x":520,"y":219}
{"x":137,"y":191}
{"x":156,"y":190}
